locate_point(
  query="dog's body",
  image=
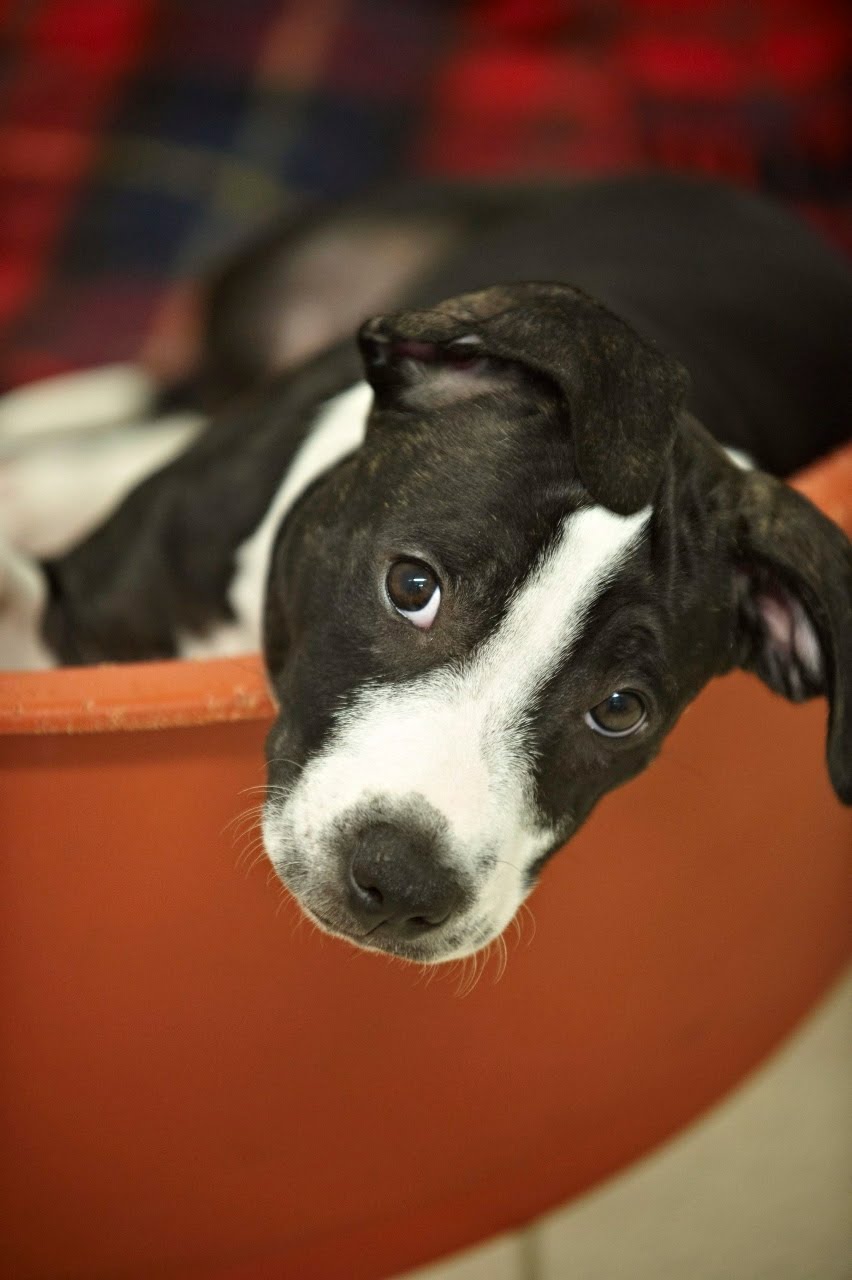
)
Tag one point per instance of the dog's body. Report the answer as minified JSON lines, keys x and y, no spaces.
{"x":500,"y":568}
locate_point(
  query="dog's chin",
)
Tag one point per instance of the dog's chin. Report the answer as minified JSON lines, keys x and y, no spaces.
{"x":455,"y":945}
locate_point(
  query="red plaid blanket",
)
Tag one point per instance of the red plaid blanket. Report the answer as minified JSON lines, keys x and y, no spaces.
{"x":139,"y":138}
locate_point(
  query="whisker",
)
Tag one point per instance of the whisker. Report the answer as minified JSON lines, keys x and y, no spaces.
{"x":298,"y":923}
{"x":294,"y":764}
{"x":515,"y":925}
{"x":251,"y":813}
{"x":476,"y":960}
{"x":502,"y":957}
{"x":247,"y":836}
{"x":525,"y":913}
{"x":244,"y":825}
{"x":249,"y":849}
{"x":258,"y":858}
{"x":506,"y":863}
{"x":283,"y":895}
{"x":470,"y":982}
{"x":480,"y":961}
{"x":248,"y":844}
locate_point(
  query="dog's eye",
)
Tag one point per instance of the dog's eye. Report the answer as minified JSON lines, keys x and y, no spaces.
{"x":414,"y":591}
{"x":623,"y":712}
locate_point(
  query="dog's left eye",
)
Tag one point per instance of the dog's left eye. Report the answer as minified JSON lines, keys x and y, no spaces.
{"x":414,"y":591}
{"x":622,"y":713}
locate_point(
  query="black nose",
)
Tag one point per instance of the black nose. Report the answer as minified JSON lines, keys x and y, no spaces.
{"x":395,"y":880}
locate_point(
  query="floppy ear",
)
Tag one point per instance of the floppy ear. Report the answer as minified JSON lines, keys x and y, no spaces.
{"x":622,"y":394}
{"x":794,"y":607}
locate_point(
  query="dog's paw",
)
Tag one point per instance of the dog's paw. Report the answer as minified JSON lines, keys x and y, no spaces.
{"x":23,"y":594}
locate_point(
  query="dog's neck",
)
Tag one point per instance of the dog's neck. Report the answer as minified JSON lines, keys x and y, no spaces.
{"x":338,"y":431}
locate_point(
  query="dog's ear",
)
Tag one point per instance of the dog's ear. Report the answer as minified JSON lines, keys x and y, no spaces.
{"x":793,"y":584}
{"x":623,"y":395}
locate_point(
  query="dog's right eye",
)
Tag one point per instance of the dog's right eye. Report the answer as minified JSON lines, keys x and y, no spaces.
{"x":414,"y":591}
{"x":619,"y":715}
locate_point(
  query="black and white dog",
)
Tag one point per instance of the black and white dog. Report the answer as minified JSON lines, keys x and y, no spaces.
{"x":490,"y":576}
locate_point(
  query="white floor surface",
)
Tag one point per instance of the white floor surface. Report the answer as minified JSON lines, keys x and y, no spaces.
{"x":760,"y":1188}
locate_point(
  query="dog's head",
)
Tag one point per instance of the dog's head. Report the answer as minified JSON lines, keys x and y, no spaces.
{"x":496,"y":608}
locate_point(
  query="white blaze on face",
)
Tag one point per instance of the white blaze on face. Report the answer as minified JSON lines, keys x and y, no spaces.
{"x":455,"y":737}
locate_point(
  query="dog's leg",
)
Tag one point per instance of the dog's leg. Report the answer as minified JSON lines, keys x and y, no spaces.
{"x":160,"y":567}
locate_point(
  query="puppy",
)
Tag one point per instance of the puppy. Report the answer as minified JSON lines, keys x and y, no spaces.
{"x":492,"y":562}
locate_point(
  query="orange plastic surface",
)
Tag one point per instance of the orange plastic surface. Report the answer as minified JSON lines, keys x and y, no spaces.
{"x":194,"y":1083}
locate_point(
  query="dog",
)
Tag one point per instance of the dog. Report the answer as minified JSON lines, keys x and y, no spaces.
{"x":494,"y":551}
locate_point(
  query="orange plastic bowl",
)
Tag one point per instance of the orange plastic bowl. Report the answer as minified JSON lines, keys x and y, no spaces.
{"x":194,"y":1083}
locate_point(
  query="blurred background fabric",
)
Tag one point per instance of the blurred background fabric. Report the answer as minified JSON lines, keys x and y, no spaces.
{"x":139,"y":139}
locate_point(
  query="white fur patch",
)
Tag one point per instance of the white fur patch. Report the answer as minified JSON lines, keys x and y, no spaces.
{"x":740,"y":458}
{"x":54,"y":491}
{"x":73,"y":446}
{"x":456,"y":737}
{"x":23,"y":594}
{"x":338,"y":431}
{"x":85,"y":401}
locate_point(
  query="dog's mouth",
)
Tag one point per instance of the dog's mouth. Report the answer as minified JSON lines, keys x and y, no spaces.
{"x":439,"y":946}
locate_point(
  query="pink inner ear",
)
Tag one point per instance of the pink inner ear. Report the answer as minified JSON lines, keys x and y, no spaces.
{"x":425,"y":352}
{"x":790,"y":631}
{"x":461,"y":354}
